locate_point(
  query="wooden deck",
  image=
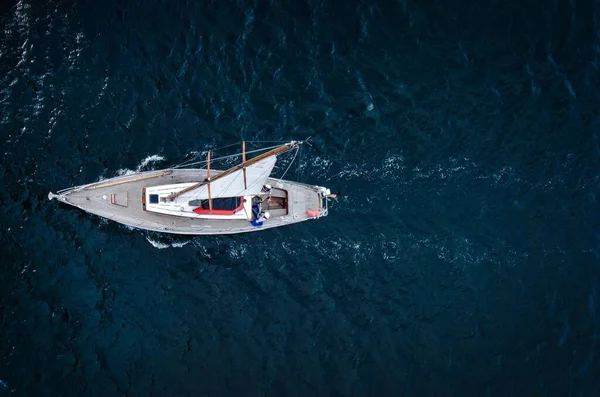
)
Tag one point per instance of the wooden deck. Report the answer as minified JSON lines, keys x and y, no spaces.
{"x":120,"y":199}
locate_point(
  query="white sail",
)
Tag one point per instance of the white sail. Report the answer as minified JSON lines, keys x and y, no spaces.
{"x":232,"y":185}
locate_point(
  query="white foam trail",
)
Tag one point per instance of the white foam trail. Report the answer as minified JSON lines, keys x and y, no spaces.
{"x":157,"y":244}
{"x":150,"y":159}
{"x":124,"y":171}
{"x":194,"y":154}
{"x":161,"y":245}
{"x":238,"y":251}
{"x":154,"y":158}
{"x":367,"y":94}
{"x":75,"y":53}
{"x":20,"y":19}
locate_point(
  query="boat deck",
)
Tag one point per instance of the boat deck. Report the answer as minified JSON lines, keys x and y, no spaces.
{"x":120,"y":199}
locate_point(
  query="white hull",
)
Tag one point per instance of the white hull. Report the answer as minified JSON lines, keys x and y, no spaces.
{"x":120,"y":199}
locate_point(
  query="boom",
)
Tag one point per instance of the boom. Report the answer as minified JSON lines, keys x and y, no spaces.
{"x":244,"y":164}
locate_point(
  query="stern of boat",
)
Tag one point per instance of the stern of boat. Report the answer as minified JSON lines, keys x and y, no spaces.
{"x":323,"y":194}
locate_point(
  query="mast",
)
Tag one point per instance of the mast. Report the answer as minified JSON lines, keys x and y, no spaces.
{"x":208,"y":178}
{"x":244,"y":164}
{"x":243,"y":161}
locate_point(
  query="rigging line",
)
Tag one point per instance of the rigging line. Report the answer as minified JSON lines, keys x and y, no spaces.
{"x":266,"y":141}
{"x":235,"y":168}
{"x":195,"y":196}
{"x":226,"y":146}
{"x":212,"y":150}
{"x":291,"y":162}
{"x":271,"y":170}
{"x":225,"y":189}
{"x":235,"y":179}
{"x":261,"y":175}
{"x":187,"y":163}
{"x":253,"y":183}
{"x":298,"y":169}
{"x":239,"y":143}
{"x":256,"y":179}
{"x":184,"y":164}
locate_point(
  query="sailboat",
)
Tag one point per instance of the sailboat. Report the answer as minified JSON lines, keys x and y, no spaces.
{"x":192,"y":201}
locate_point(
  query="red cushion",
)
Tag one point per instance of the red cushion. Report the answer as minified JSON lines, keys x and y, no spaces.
{"x":202,"y":211}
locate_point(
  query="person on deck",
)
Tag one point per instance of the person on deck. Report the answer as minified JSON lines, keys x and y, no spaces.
{"x":263,"y":216}
{"x":266,"y":189}
{"x":260,"y":219}
{"x":256,"y":206}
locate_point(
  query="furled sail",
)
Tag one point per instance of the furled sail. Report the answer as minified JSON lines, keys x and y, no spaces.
{"x":232,"y":185}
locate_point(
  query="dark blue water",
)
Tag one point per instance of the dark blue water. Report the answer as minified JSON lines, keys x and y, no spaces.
{"x":461,"y":259}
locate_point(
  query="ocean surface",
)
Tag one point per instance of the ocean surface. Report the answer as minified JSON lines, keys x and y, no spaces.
{"x":462,"y":258}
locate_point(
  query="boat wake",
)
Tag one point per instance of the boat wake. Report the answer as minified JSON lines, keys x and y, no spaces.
{"x":155,"y":158}
{"x":146,"y":164}
{"x":166,"y":242}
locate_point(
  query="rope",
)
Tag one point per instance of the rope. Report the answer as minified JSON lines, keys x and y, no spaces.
{"x":298,"y":169}
{"x":226,"y":146}
{"x":194,"y":196}
{"x":266,"y":141}
{"x":226,"y":187}
{"x":252,"y":184}
{"x":185,"y":164}
{"x":291,"y":162}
